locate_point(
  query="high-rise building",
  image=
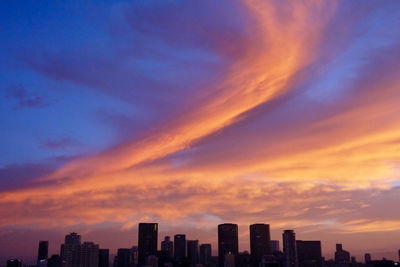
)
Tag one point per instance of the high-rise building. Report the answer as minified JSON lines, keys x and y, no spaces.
{"x":104,"y":257}
{"x":228,"y":242}
{"x":309,"y":253}
{"x":342,"y":257}
{"x":180,"y":246}
{"x":289,"y":248}
{"x":14,"y":263}
{"x":367,"y":258}
{"x":205,"y":254}
{"x":259,"y":242}
{"x":124,"y":258}
{"x":71,"y":250}
{"x":73,"y":239}
{"x":147,"y":244}
{"x":168,"y":246}
{"x":43,"y":251}
{"x":89,"y":254}
{"x":274,"y":245}
{"x":193,"y":252}
{"x":74,"y":254}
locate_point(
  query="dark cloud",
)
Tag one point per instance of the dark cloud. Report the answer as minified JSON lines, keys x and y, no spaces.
{"x":24,"y":98}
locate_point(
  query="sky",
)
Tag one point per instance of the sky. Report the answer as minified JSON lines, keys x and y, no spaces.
{"x":195,"y":113}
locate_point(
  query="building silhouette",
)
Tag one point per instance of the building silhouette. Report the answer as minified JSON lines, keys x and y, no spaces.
{"x":75,"y":254}
{"x":124,"y":258}
{"x":104,"y":257}
{"x":180,"y":246}
{"x":205,"y":254}
{"x":259,"y":242}
{"x":289,"y":248}
{"x":54,"y":261}
{"x":193,"y":252}
{"x":89,"y":255}
{"x":71,"y":250}
{"x":367,"y":258}
{"x":73,"y":239}
{"x":43,"y":251}
{"x":274,"y":245}
{"x":168,"y":246}
{"x":147,"y":243}
{"x":228,"y":243}
{"x":309,"y":253}
{"x":342,"y":257}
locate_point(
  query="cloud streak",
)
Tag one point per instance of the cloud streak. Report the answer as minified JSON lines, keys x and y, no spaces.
{"x":267,"y":138}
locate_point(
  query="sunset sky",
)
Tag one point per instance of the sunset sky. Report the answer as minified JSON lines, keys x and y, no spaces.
{"x":194,"y":113}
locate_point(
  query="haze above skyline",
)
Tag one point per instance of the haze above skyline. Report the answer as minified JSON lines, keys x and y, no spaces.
{"x":195,"y":113}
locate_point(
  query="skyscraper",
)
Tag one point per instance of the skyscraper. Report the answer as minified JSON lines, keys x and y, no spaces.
{"x":124,"y":258}
{"x":228,"y":242}
{"x":73,"y":239}
{"x":104,"y":257}
{"x":168,"y":246}
{"x":71,"y":250}
{"x":259,"y":242}
{"x":367,"y":258}
{"x":193,"y":252}
{"x":180,"y":246}
{"x":43,"y":251}
{"x":205,"y":254}
{"x":148,"y":233}
{"x":89,"y":254}
{"x":274,"y":244}
{"x":342,"y":257}
{"x":289,"y":248}
{"x":309,"y":253}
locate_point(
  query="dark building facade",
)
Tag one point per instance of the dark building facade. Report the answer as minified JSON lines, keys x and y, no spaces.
{"x":205,"y":254}
{"x":147,"y":243}
{"x":309,"y":253}
{"x":54,"y":261}
{"x":43,"y":251}
{"x":228,"y":242}
{"x":274,"y":245}
{"x":342,"y":257}
{"x":73,"y":239}
{"x":259,"y":242}
{"x":289,"y":248}
{"x":180,"y":246}
{"x":193,"y":252}
{"x":104,"y":257}
{"x":168,"y":246}
{"x":124,"y":258}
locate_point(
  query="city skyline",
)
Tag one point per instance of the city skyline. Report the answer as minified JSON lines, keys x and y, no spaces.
{"x":290,"y":235}
{"x":196,"y":113}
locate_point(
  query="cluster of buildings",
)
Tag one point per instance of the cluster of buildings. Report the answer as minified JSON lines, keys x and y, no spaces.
{"x":189,"y":253}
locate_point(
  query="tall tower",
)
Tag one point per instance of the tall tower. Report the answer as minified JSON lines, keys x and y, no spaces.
{"x":259,"y":241}
{"x":205,"y":254}
{"x":289,"y":248}
{"x":168,"y":246}
{"x":148,"y":233}
{"x":180,"y":246}
{"x":43,"y":251}
{"x":104,"y":257}
{"x":71,"y":250}
{"x":228,"y":242}
{"x":193,"y":252}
